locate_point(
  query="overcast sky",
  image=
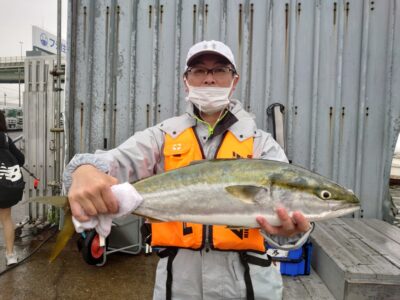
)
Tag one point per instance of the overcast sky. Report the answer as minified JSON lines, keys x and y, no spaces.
{"x":16,"y":20}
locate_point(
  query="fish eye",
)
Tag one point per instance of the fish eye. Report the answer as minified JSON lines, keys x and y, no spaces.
{"x":325,"y":194}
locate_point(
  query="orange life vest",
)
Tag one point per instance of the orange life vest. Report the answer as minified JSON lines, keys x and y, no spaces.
{"x":179,"y":152}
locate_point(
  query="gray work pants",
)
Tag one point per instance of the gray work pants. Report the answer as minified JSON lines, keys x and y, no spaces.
{"x":215,"y":275}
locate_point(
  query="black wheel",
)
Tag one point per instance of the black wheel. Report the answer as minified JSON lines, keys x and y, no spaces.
{"x":91,"y":251}
{"x":80,"y":241}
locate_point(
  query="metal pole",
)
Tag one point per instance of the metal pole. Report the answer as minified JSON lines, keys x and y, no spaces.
{"x":58,"y":98}
{"x":5,"y":101}
{"x":57,"y":130}
{"x":19,"y":87}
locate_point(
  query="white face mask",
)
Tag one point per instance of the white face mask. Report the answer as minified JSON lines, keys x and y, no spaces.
{"x":209,"y":100}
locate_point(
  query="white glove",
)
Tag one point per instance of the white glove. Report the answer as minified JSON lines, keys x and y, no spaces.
{"x":128,"y":199}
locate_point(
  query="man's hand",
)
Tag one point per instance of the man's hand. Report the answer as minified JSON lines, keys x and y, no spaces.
{"x":90,"y":193}
{"x":290,"y":226}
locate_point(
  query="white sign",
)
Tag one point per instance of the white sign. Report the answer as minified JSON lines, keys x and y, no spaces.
{"x":277,"y":253}
{"x":46,"y":41}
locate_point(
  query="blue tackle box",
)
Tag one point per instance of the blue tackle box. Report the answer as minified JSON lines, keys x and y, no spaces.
{"x":293,"y":262}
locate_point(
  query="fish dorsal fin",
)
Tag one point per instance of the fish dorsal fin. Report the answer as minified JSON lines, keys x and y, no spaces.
{"x":246,"y":193}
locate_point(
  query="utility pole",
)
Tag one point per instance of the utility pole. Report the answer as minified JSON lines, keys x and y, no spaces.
{"x":19,"y":79}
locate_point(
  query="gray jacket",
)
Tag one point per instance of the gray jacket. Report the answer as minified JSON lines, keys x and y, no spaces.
{"x":142,"y":154}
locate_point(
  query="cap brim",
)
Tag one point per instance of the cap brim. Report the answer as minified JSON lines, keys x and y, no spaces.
{"x":207,"y":52}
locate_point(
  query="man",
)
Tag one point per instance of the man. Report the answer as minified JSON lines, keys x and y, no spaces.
{"x":223,"y":266}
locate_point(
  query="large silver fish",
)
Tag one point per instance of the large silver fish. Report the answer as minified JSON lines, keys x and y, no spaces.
{"x":233,"y":192}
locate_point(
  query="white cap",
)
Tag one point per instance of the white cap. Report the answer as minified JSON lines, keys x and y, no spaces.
{"x":213,"y":47}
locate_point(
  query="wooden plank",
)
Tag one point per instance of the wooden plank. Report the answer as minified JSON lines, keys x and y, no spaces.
{"x":359,"y":290}
{"x":327,"y":268}
{"x":341,"y":247}
{"x":305,"y":287}
{"x":383,"y":268}
{"x":354,"y":258}
{"x":390,"y":231}
{"x":387,"y":247}
{"x":315,"y":287}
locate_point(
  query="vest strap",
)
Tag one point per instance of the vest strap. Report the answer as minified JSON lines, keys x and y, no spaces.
{"x":170,"y":253}
{"x":247,"y":279}
{"x":258,"y":261}
{"x":246,"y":259}
{"x":145,"y":231}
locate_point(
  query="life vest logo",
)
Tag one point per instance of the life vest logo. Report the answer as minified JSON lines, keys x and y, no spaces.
{"x":237,"y":155}
{"x":176,"y":147}
{"x":187,"y":229}
{"x":241,"y":233}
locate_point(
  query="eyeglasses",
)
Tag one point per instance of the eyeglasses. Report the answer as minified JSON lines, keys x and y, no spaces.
{"x":219,"y":73}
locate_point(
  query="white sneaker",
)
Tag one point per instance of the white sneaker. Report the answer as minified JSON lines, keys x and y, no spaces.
{"x":11,"y":258}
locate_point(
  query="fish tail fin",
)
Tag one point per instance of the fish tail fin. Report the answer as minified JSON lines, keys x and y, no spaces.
{"x":57,"y":201}
{"x":63,"y":237}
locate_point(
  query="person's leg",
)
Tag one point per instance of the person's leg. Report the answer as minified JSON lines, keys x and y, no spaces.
{"x":8,"y":229}
{"x":223,"y":277}
{"x":186,"y":276}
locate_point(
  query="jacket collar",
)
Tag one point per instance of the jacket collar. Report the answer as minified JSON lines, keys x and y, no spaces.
{"x":242,"y":128}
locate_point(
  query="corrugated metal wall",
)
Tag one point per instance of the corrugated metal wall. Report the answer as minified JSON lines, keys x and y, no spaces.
{"x":39,"y":119}
{"x":334,"y":65}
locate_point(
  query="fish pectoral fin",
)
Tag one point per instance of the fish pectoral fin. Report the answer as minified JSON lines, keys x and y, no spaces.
{"x":246,"y":193}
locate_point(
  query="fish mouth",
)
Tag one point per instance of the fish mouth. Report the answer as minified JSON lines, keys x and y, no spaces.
{"x":335,"y":213}
{"x":338,"y":205}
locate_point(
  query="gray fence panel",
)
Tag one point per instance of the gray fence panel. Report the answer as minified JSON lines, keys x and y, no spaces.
{"x":334,"y":65}
{"x":98,"y":111}
{"x":39,"y":141}
{"x":348,"y":110}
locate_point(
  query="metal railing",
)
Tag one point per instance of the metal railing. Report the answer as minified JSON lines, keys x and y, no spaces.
{"x":12,"y":59}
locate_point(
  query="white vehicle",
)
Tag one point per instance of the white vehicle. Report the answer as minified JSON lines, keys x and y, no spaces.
{"x":11,"y":123}
{"x":20,"y":122}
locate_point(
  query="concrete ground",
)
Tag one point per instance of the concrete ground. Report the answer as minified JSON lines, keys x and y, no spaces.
{"x":124,"y":276}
